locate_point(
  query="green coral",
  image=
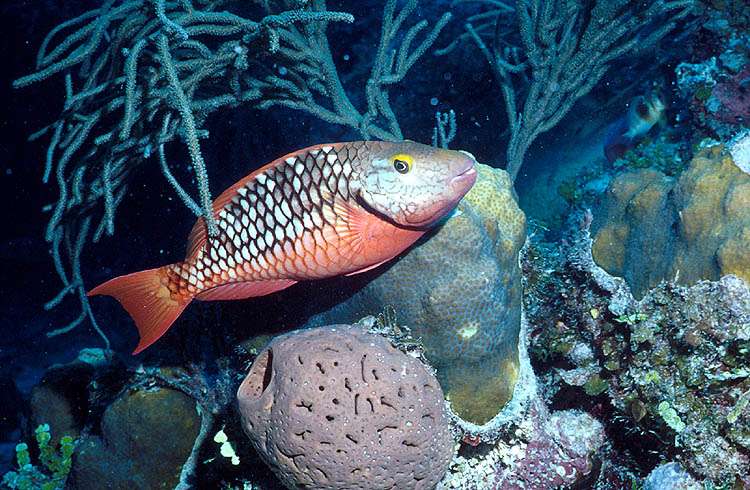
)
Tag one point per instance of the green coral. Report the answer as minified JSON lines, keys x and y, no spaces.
{"x":55,"y":464}
{"x":670,"y":416}
{"x":631,"y":318}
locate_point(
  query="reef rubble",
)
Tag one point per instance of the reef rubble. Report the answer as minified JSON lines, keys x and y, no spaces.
{"x":666,"y":374}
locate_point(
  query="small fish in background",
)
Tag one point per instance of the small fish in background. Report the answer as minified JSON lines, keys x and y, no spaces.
{"x":644,"y":112}
{"x":323,"y":211}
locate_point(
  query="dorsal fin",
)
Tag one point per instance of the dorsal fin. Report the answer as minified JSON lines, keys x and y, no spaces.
{"x":196,"y":239}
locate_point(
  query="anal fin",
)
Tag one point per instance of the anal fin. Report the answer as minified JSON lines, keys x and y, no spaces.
{"x":243,"y":290}
{"x":368,"y":268}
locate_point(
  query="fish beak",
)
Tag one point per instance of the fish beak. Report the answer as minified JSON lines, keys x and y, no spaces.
{"x":466,"y":178}
{"x":468,"y":155}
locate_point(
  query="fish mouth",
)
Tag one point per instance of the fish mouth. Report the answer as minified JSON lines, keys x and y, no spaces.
{"x":468,"y":174}
{"x":462,"y":182}
{"x":460,"y":185}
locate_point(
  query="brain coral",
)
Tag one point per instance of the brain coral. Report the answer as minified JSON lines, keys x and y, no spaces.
{"x":459,"y":290}
{"x":651,"y":227}
{"x":339,"y":408}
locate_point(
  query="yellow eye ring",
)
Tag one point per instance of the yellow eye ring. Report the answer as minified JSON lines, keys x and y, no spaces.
{"x":402,"y":163}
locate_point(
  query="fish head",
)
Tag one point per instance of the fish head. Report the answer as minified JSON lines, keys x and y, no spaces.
{"x":649,"y":108}
{"x":414,"y":185}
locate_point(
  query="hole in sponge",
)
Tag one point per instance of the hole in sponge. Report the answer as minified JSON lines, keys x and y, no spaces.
{"x":259,"y":377}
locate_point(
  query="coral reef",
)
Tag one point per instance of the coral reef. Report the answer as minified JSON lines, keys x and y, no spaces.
{"x":716,"y":88}
{"x":651,"y":227}
{"x":667,"y":373}
{"x":459,"y":291}
{"x":670,"y":476}
{"x":530,"y":447}
{"x":639,"y":338}
{"x":684,"y":377}
{"x":337,"y":407}
{"x":146,"y":437}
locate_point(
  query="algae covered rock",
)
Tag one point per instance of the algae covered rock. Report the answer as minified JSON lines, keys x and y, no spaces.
{"x":672,"y":365}
{"x":684,"y":374}
{"x":671,"y":476}
{"x":459,"y":290}
{"x":146,"y":436}
{"x":558,"y":454}
{"x":651,"y":227}
{"x":339,"y":408}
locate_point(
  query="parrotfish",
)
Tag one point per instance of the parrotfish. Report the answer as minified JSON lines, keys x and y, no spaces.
{"x":625,"y":133}
{"x":323,"y":211}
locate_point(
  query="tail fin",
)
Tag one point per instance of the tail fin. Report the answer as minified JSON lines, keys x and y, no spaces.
{"x":148,"y":301}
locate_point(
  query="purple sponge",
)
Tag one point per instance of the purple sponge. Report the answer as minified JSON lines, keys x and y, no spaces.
{"x":339,"y":408}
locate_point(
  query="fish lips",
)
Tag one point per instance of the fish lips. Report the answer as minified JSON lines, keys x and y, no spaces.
{"x":459,"y":185}
{"x":464,"y":181}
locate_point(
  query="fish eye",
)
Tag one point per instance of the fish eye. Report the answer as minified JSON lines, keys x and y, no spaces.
{"x":401,"y":166}
{"x":402,"y":163}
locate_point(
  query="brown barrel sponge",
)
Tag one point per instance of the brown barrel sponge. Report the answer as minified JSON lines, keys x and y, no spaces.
{"x":339,"y":408}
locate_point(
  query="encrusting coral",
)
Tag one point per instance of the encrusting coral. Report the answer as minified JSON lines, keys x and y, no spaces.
{"x":340,"y":408}
{"x":459,"y":291}
{"x":651,"y":227}
{"x":667,"y":374}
